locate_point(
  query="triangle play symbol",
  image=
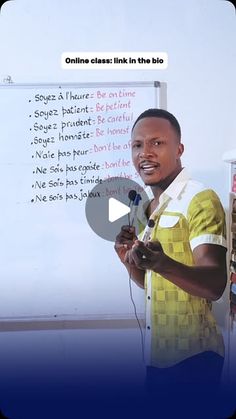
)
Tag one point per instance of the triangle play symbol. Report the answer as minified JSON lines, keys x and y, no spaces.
{"x":116,"y":209}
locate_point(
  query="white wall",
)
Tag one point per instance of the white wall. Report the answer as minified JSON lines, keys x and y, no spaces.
{"x":197,"y":35}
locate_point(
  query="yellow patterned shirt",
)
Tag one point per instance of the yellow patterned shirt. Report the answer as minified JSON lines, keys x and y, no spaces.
{"x":179,"y":325}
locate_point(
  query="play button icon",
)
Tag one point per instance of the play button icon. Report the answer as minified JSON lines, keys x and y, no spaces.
{"x":112,"y":204}
{"x":116,"y":210}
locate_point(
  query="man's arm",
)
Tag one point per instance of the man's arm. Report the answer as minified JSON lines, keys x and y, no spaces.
{"x":206,"y":279}
{"x":136,"y":274}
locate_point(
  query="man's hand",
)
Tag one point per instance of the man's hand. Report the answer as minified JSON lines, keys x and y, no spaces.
{"x":123,"y":245}
{"x":124,"y":241}
{"x":146,"y":256}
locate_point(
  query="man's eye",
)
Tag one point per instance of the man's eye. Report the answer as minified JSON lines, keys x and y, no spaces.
{"x":157,"y":142}
{"x":137,"y":145}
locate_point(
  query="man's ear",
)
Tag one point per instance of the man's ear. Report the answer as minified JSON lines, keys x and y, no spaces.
{"x":180,"y":149}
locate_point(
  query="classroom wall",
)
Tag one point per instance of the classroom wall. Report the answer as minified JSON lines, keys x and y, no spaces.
{"x":197,"y":35}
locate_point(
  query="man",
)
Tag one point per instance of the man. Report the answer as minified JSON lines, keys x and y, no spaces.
{"x":182,"y":267}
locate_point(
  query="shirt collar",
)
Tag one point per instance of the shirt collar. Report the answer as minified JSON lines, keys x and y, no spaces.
{"x":176,"y":187}
{"x":172,"y":192}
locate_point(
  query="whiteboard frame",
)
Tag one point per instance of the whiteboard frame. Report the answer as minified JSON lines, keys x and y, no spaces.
{"x":73,"y":321}
{"x":161,"y":87}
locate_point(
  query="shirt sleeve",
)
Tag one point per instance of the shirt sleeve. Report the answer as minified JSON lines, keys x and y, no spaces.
{"x":206,"y":220}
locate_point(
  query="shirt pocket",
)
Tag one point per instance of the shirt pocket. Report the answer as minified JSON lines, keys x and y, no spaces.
{"x":168,"y":221}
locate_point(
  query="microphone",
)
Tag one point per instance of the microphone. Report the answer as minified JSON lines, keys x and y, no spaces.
{"x":132,"y":195}
{"x":134,"y":208}
{"x":148,"y":230}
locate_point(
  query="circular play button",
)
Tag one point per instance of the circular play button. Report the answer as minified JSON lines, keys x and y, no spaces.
{"x":113,"y":203}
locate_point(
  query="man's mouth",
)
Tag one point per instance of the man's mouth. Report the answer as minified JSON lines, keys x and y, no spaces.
{"x":149,"y":168}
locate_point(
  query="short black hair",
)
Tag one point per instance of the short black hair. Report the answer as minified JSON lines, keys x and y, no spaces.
{"x":160,"y":113}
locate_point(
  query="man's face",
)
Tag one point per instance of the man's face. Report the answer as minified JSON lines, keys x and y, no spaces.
{"x":156,"y":150}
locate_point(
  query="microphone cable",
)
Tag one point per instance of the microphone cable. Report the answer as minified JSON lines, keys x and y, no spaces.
{"x":135,"y":199}
{"x":136,"y":316}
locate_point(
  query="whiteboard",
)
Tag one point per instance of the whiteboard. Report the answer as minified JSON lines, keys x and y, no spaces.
{"x":57,"y":141}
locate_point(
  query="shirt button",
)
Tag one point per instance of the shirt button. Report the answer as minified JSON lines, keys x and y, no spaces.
{"x":149,"y":298}
{"x":148,"y":327}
